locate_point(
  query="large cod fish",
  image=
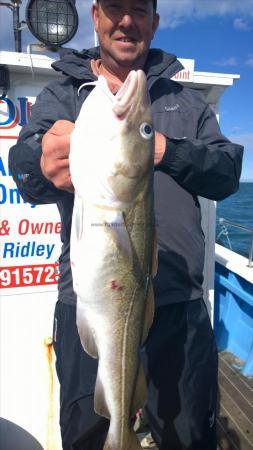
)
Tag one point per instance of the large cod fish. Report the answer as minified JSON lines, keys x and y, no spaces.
{"x":112,"y":241}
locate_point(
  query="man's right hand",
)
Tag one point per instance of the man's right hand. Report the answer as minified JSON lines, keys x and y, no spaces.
{"x":55,"y":155}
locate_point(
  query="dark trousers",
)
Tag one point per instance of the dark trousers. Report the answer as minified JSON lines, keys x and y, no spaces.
{"x":81,"y":428}
{"x":180,"y":361}
{"x":181,"y":364}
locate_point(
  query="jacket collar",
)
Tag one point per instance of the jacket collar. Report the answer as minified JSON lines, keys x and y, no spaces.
{"x":77,"y":64}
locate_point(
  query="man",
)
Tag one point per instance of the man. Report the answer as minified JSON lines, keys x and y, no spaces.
{"x":191,"y":158}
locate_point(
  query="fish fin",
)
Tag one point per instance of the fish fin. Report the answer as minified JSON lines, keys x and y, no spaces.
{"x":154,"y":254}
{"x":86,"y":334}
{"x":131,"y":442}
{"x":116,"y":226}
{"x":76,"y":234}
{"x":78,"y":216}
{"x":149,"y":315}
{"x":141,"y":393}
{"x":100,"y":405}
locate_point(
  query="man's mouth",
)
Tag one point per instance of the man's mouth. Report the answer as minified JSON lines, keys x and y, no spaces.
{"x":126,"y":39}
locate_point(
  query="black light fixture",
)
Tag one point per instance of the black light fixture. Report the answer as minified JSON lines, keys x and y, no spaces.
{"x":4,"y":80}
{"x":53,"y":22}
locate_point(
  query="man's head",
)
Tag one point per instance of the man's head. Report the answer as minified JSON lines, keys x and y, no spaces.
{"x":125,"y":29}
{"x":154,"y":4}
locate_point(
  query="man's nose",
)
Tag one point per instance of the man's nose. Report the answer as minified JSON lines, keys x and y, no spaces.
{"x":126,"y":20}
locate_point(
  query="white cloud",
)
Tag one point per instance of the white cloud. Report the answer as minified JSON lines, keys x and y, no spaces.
{"x":179,"y":11}
{"x":231,"y":62}
{"x":173,"y":13}
{"x":236,"y":129}
{"x":84,"y":37}
{"x":241,"y":24}
{"x":176,"y":12}
{"x":249,"y":61}
{"x":245,"y":139}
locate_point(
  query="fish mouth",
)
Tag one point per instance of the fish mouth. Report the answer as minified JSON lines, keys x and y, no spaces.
{"x":124,"y":99}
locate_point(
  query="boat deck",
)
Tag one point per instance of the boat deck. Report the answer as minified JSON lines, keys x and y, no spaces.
{"x":235,"y":415}
{"x":235,"y":408}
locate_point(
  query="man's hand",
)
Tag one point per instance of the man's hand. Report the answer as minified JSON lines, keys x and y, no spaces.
{"x":55,"y":154}
{"x":160,"y":146}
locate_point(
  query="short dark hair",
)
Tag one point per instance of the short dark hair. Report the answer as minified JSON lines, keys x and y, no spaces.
{"x":154,"y":4}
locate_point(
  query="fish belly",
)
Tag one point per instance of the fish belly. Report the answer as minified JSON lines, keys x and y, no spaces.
{"x":111,"y":309}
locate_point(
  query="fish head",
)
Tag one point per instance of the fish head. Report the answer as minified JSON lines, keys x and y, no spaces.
{"x":112,"y":145}
{"x":135,"y":146}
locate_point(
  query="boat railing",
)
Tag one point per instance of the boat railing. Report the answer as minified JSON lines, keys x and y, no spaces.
{"x":224,"y":223}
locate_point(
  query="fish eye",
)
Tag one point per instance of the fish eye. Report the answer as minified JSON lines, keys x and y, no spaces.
{"x":146,"y":131}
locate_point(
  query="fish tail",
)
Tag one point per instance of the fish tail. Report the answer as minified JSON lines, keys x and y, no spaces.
{"x":131,"y":442}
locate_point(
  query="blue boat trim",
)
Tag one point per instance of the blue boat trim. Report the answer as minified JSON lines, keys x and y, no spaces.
{"x":233,"y":316}
{"x":245,"y":296}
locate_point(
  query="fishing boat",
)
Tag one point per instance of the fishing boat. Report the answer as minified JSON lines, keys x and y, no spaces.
{"x":30,"y":246}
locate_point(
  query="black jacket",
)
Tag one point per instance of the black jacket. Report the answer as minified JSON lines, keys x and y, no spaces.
{"x":198,"y":160}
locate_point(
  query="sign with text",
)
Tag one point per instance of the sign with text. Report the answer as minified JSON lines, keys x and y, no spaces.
{"x":29,"y":234}
{"x":187,"y":74}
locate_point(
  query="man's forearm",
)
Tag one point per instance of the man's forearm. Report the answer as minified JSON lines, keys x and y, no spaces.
{"x":211,"y":170}
{"x":24,"y":164}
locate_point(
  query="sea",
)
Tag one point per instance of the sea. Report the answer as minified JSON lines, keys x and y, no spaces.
{"x":238,"y":209}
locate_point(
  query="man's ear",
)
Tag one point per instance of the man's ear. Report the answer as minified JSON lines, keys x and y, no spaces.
{"x":155,"y":25}
{"x":95,"y":14}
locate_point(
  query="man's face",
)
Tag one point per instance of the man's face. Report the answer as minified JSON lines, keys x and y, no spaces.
{"x":125,"y":29}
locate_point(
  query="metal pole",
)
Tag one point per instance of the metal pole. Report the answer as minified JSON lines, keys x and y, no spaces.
{"x":251,"y":252}
{"x":224,"y":231}
{"x":95,"y":34}
{"x":16,"y":28}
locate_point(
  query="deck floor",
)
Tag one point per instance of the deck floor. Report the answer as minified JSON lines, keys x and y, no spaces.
{"x":235,"y":415}
{"x":235,"y":407}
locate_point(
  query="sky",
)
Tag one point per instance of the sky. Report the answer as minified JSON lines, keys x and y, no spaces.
{"x":217,"y":34}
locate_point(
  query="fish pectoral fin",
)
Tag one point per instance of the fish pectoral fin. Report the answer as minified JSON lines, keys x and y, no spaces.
{"x":100,"y":405}
{"x":86,"y":334}
{"x":116,"y":227}
{"x":154,"y":254}
{"x":141,"y":392}
{"x":76,"y":234}
{"x":77,"y":215}
{"x":149,"y":313}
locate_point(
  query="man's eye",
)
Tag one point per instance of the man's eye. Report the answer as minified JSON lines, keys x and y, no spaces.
{"x":141,"y":10}
{"x":114,"y":6}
